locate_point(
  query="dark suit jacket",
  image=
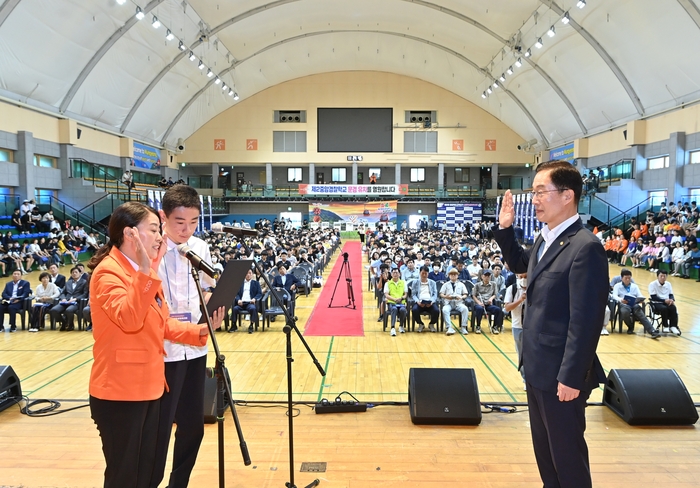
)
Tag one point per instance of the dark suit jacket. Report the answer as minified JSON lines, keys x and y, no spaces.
{"x":255,"y":291}
{"x":290,"y":280}
{"x":75,"y":290}
{"x":23,"y":290}
{"x":60,"y":281}
{"x":567,"y":293}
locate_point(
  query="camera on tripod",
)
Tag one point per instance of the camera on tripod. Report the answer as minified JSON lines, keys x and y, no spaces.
{"x":345,"y":257}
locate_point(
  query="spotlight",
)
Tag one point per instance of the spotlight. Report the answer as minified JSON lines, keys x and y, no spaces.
{"x":169,"y":36}
{"x":156,"y":22}
{"x":489,"y":91}
{"x":139,"y":13}
{"x":201,"y":64}
{"x":503,"y":77}
{"x":181,"y":46}
{"x":518,"y":63}
{"x":192,"y":56}
{"x":509,"y":71}
{"x":538,"y":44}
{"x":483,"y":95}
{"x":566,"y":19}
{"x":528,"y":53}
{"x":217,"y":81}
{"x":121,"y":2}
{"x":210,"y":73}
{"x":224,"y":87}
{"x":551,"y":32}
{"x":230,"y":93}
{"x":581,"y":3}
{"x":495,"y":84}
{"x":235,"y":96}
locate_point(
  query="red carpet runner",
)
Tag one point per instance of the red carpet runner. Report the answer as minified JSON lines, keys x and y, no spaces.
{"x":340,"y":321}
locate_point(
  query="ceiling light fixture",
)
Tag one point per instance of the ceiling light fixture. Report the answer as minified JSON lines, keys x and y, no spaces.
{"x":235,"y":96}
{"x":551,"y":32}
{"x":224,"y":87}
{"x":483,"y":95}
{"x":495,"y":84}
{"x":181,"y":46}
{"x":217,"y":80}
{"x":201,"y":64}
{"x":210,"y":73}
{"x":518,"y":63}
{"x":489,"y":90}
{"x":502,"y":77}
{"x":581,"y":3}
{"x":528,"y":53}
{"x":192,"y":56}
{"x":121,"y":2}
{"x":538,"y":44}
{"x":169,"y":36}
{"x":566,"y":19}
{"x":230,"y":93}
{"x":139,"y":13}
{"x":509,"y":71}
{"x":156,"y":22}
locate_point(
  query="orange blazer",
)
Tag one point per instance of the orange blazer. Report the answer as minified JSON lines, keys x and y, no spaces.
{"x":130,"y":319}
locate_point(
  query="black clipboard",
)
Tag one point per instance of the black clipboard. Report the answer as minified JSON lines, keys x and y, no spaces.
{"x":228,"y":285}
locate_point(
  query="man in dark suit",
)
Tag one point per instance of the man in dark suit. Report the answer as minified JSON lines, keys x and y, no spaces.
{"x":566,"y":298}
{"x":56,"y":278}
{"x":246,"y":300}
{"x":76,"y":288}
{"x":287,"y":281}
{"x":12,"y":297}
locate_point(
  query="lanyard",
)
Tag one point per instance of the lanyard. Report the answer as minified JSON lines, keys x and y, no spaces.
{"x":167,"y":277}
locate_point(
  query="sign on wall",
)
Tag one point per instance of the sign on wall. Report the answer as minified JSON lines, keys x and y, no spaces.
{"x":564,"y":153}
{"x":356,"y":213}
{"x":458,"y":144}
{"x":305,"y":189}
{"x":489,"y":144}
{"x":219,"y":144}
{"x":145,"y":157}
{"x":251,"y":144}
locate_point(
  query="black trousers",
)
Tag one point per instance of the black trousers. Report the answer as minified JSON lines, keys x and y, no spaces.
{"x":557,"y":436}
{"x":12,"y":309}
{"x":128,"y":432}
{"x":669,"y":314}
{"x":433,"y":310}
{"x":184,"y":405}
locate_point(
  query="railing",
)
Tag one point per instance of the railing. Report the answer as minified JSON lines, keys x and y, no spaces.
{"x":64,"y":211}
{"x":108,"y":179}
{"x":8,"y":204}
{"x":621,"y":170}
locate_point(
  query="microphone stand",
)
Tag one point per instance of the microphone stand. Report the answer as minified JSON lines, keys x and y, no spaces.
{"x":222,"y":387}
{"x":290,"y":324}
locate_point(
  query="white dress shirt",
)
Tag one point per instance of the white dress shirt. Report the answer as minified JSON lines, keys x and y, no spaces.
{"x":181,"y":294}
{"x":550,"y":235}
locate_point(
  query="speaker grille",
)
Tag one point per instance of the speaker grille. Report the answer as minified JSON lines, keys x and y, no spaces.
{"x":444,"y":396}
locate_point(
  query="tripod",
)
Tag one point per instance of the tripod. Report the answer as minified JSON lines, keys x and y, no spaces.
{"x":222,"y":387}
{"x":290,"y":325}
{"x":348,"y":282}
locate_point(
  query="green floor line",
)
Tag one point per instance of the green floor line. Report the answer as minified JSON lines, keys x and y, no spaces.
{"x":501,"y":351}
{"x":464,"y":338}
{"x":57,"y":362}
{"x":59,"y":377}
{"x":325,"y":368}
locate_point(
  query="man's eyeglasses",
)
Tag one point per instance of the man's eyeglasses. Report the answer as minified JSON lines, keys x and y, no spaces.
{"x":540,"y":193}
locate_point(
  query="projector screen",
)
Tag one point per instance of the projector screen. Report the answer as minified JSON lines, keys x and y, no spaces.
{"x":355,"y":130}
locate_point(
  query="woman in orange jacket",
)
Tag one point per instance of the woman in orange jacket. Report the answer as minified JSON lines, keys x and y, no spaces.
{"x":130,"y":320}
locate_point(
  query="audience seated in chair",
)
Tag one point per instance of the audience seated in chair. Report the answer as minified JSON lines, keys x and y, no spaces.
{"x":395,"y":292}
{"x":624,"y":292}
{"x":662,"y":299}
{"x":425,"y":296}
{"x":45,"y":295}
{"x":68,"y":302}
{"x":13,"y":296}
{"x":454,"y":293}
{"x":246,"y":301}
{"x":486,"y":297}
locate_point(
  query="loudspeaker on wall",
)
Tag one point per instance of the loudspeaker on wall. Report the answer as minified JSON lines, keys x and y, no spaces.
{"x":443,"y":396}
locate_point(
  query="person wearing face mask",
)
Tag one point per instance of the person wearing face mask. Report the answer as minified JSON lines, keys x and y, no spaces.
{"x":437,"y":274}
{"x":514,"y":299}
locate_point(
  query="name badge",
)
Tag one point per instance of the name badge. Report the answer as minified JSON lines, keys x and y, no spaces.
{"x":182,"y":317}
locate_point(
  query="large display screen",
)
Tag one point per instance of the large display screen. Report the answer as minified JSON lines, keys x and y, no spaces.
{"x":355,"y":130}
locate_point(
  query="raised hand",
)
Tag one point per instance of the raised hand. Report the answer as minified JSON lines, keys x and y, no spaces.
{"x":143,"y":259}
{"x":506,"y":216}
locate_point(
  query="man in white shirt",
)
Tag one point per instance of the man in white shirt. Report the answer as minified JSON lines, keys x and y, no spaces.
{"x":410,"y":273}
{"x":661,"y":294}
{"x":454,"y":293}
{"x":185,"y":365}
{"x":516,"y":294}
{"x":624,"y":292}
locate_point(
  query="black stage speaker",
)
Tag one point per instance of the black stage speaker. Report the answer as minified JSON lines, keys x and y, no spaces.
{"x":10,"y":389}
{"x":210,"y":395}
{"x":649,"y":397}
{"x":443,"y":396}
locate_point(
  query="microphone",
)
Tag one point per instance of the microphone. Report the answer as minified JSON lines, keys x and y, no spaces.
{"x":220,"y":228}
{"x":197,"y":262}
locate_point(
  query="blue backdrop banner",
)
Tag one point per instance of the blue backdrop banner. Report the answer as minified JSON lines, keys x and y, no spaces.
{"x":146,"y":157}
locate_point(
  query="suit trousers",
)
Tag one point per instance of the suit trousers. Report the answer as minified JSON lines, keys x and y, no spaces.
{"x":433,"y":310}
{"x":669,"y":314}
{"x":557,"y":436}
{"x":184,"y":405}
{"x":58,"y":312}
{"x":12,"y":310}
{"x":128,"y":432}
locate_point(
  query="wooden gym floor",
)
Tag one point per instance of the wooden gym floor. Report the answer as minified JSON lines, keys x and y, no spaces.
{"x":380,"y":447}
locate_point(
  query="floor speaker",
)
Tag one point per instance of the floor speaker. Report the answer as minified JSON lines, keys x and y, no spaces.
{"x":443,"y":396}
{"x":210,"y":395}
{"x":649,"y":397}
{"x":10,"y":389}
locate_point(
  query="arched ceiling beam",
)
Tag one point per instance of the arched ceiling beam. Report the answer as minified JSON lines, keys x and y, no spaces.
{"x":100,"y":53}
{"x":321,"y":33}
{"x":563,"y":97}
{"x":688,"y":5}
{"x":603,"y":54}
{"x":6,"y":9}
